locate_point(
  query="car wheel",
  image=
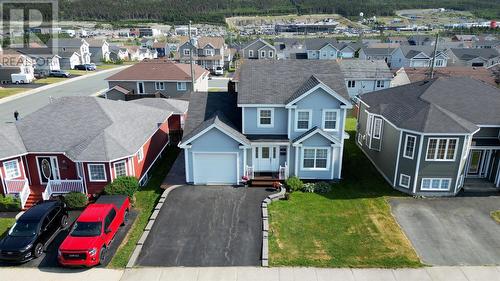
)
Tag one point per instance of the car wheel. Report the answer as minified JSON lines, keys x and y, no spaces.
{"x":125,"y":218}
{"x":38,"y":251}
{"x":17,"y":82}
{"x":103,"y":255}
{"x":64,"y":222}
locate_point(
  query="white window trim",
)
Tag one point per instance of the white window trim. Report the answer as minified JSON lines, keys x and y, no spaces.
{"x":375,"y":127}
{"x":181,"y":88}
{"x":250,"y":53}
{"x":445,"y":152}
{"x":143,"y":88}
{"x":401,"y":176}
{"x":158,"y":83}
{"x":297,"y":119}
{"x":271,"y":54}
{"x":406,"y":144}
{"x":141,"y":154}
{"x":17,"y":168}
{"x":262,"y":54}
{"x":323,"y":120}
{"x":353,"y":84}
{"x":90,"y":174}
{"x":328,"y":158}
{"x":124,"y":165}
{"x":434,"y":189}
{"x":259,"y":125}
{"x":186,"y":52}
{"x":209,"y":52}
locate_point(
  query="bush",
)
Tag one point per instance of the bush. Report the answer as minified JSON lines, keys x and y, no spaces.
{"x":308,"y":187}
{"x":9,"y":204}
{"x":122,"y":186}
{"x":322,"y":187}
{"x":75,"y":200}
{"x":294,"y":184}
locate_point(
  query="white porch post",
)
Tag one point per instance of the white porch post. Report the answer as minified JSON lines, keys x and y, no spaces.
{"x":288,"y":159}
{"x":186,"y":164}
{"x":296,"y":161}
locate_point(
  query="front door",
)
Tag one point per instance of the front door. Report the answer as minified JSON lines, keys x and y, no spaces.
{"x":266,"y":158}
{"x":476,"y":157}
{"x":48,"y":169}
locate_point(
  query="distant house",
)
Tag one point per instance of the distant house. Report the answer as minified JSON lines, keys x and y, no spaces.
{"x":158,"y":77}
{"x":348,"y":50}
{"x":422,"y":40}
{"x":486,"y":44}
{"x":258,"y":49}
{"x":464,"y":38}
{"x":90,"y":142}
{"x":44,"y":60}
{"x":209,"y":52}
{"x":385,"y":54}
{"x":412,"y":74}
{"x":160,"y":48}
{"x":418,"y":56}
{"x":473,"y":57}
{"x":118,"y":53}
{"x":73,"y":51}
{"x":429,"y":138}
{"x":321,"y":49}
{"x":12,"y":62}
{"x":148,"y":42}
{"x":99,"y":50}
{"x":364,"y":76}
{"x":137,"y":53}
{"x":290,"y":48}
{"x":401,"y":40}
{"x":314,"y":48}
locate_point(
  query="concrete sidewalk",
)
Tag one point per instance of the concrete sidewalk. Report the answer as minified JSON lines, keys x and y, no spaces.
{"x":466,"y":273}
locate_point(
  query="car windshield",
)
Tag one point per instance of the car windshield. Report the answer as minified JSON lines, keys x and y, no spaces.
{"x":24,"y":229}
{"x":86,"y":229}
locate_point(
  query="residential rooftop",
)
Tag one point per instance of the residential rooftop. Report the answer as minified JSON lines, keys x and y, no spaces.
{"x":158,"y":70}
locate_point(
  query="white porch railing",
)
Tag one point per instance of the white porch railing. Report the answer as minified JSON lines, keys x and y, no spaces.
{"x":15,"y":186}
{"x":62,"y":187}
{"x":283,"y":172}
{"x":24,"y":194}
{"x":249,"y":172}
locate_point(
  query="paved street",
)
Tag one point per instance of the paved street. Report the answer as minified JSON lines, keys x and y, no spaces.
{"x":218,"y":83}
{"x":83,"y":87}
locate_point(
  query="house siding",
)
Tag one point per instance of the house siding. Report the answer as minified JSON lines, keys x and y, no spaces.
{"x":251,"y":119}
{"x":22,"y":168}
{"x":363,"y":86}
{"x":405,"y":165}
{"x":149,"y":87}
{"x":322,"y":142}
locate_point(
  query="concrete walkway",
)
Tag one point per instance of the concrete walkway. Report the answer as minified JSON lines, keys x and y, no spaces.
{"x":479,"y":273}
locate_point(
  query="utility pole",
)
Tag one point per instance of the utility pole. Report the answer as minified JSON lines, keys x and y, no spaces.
{"x":433,"y":61}
{"x":191,"y":56}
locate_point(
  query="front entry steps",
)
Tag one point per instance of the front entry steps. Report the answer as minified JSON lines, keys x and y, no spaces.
{"x":265,"y":179}
{"x":32,"y":200}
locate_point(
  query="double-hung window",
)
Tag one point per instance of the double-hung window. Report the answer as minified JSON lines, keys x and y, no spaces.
{"x":181,"y":86}
{"x":409,"y":146}
{"x":97,"y":172}
{"x":250,"y":53}
{"x":159,"y":86}
{"x":120,"y":169}
{"x":271,"y":54}
{"x":263,"y":54}
{"x":303,"y":120}
{"x":441,"y":149}
{"x":12,"y":170}
{"x":315,"y":158}
{"x":377,"y":128}
{"x":404,"y":180}
{"x":186,"y":52}
{"x":265,"y":117}
{"x":351,"y":84}
{"x":330,"y":118}
{"x":380,"y":84}
{"x":435,"y":184}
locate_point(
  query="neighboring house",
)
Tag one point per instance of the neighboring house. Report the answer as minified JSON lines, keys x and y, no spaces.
{"x":137,"y":53}
{"x":464,"y":38}
{"x":422,"y":40}
{"x":44,"y":60}
{"x":473,"y":57}
{"x":314,"y":48}
{"x":401,"y":40}
{"x":209,"y":52}
{"x":348,"y":50}
{"x":117,"y":53}
{"x":364,"y":76}
{"x":409,"y":75}
{"x":418,"y":56}
{"x":322,"y":49}
{"x":12,"y":62}
{"x":258,"y":49}
{"x":161,"y":49}
{"x":147,"y":42}
{"x":369,"y":53}
{"x":486,"y":44}
{"x":429,"y":137}
{"x":73,"y":51}
{"x":287,"y":118}
{"x":90,"y":141}
{"x":167,"y":78}
{"x":99,"y":50}
{"x":290,"y":48}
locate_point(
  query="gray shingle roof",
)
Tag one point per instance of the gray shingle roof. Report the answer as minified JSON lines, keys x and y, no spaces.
{"x":470,"y":53}
{"x":276,"y":81}
{"x":371,"y":69}
{"x":442,"y":105}
{"x":410,"y":51}
{"x":66,"y":42}
{"x":11,"y":143}
{"x":88,"y":128}
{"x":174,"y":105}
{"x":213,"y":108}
{"x":378,"y":51}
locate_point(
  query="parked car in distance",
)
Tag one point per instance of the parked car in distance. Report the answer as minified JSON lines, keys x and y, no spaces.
{"x":219,"y":70}
{"x":59,"y":73}
{"x":93,"y":231}
{"x":87,"y":66}
{"x":33,"y":232}
{"x":20,"y":78}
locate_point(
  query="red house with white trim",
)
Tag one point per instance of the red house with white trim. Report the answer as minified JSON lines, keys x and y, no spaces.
{"x":82,"y":143}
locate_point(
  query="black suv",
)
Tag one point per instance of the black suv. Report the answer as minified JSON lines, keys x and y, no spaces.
{"x":34,"y":231}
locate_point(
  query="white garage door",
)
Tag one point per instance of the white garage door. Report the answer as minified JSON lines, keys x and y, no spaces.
{"x":215,"y":168}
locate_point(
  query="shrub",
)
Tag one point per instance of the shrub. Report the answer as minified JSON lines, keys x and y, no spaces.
{"x":9,"y":204}
{"x":294,"y":184}
{"x":75,"y":200}
{"x":322,"y":187}
{"x":308,"y":187}
{"x":122,"y":186}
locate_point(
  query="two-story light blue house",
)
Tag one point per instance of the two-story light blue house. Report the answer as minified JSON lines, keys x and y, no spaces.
{"x":285,"y":117}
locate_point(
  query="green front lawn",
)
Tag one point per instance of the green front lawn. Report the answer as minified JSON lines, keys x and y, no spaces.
{"x":5,"y":224}
{"x":50,"y":80}
{"x":352,"y":226}
{"x":146,"y":199}
{"x":5,"y":92}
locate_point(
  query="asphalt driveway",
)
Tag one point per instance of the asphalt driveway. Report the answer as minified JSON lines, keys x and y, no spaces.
{"x":451,"y":231}
{"x":207,"y":226}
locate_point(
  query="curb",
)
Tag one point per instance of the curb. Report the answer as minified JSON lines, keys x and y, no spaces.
{"x":50,"y":86}
{"x":265,"y":224}
{"x":149,"y":226}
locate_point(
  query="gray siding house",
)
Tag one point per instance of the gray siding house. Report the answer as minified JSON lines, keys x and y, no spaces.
{"x":72,"y":51}
{"x":287,"y":118}
{"x":258,"y":49}
{"x":364,"y":76}
{"x":473,"y":57}
{"x":431,"y":137}
{"x":418,"y":56}
{"x":209,"y":52}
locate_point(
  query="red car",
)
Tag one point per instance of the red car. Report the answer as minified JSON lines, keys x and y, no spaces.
{"x":93,"y":231}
